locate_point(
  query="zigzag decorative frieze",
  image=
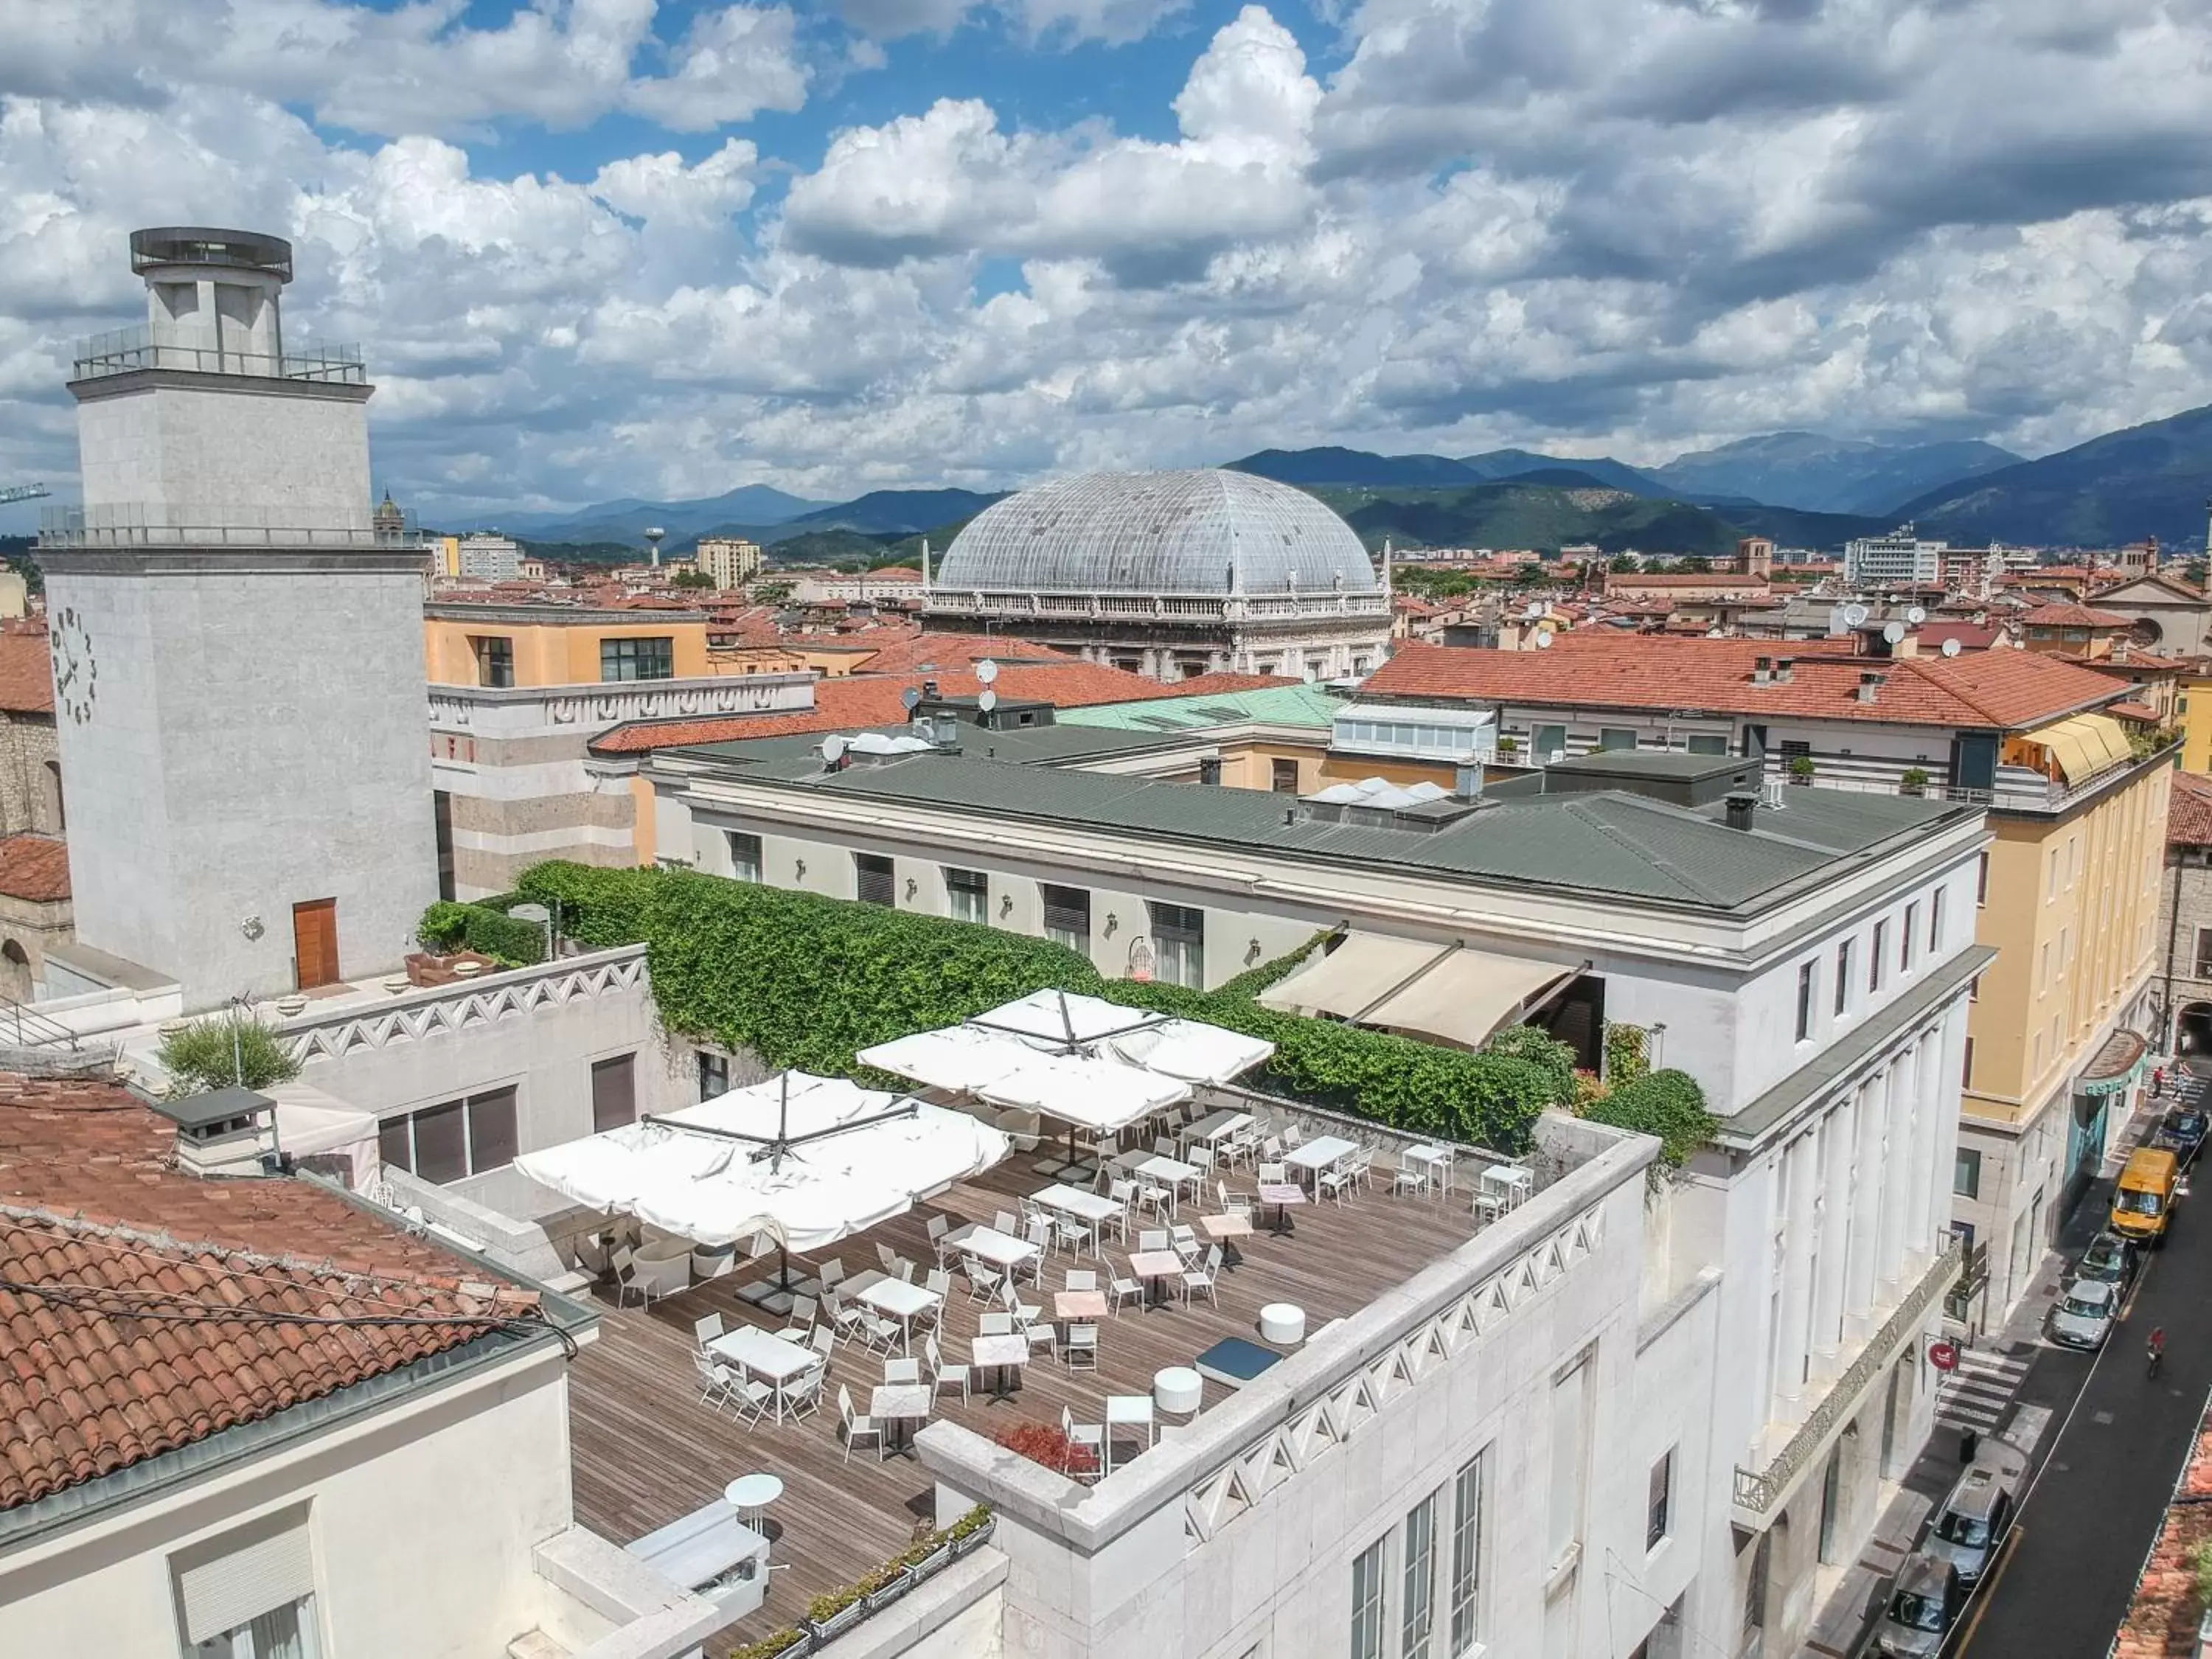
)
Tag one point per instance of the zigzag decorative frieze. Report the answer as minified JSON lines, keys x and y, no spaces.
{"x":384,"y":1028}
{"x":1357,"y":1399}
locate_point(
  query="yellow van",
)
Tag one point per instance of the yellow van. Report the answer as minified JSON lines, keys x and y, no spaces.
{"x":2144,"y":1197}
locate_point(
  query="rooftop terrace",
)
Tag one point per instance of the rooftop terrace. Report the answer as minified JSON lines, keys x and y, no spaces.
{"x":647,"y":1451}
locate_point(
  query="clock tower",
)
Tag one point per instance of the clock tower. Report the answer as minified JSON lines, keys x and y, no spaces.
{"x":237,"y":648}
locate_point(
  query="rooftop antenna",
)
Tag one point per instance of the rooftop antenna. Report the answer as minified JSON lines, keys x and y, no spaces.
{"x":652,"y":537}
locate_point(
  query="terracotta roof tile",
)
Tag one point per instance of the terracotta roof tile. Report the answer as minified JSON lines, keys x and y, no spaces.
{"x":1210,"y":685}
{"x":2072,"y":616}
{"x":35,"y":867}
{"x":110,"y":1261}
{"x":26,"y":673}
{"x":2008,"y":689}
{"x":2189,"y":810}
{"x":909,"y":651}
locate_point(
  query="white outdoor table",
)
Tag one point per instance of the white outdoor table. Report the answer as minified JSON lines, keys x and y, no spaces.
{"x":1079,"y":1307}
{"x":1093,"y":1209}
{"x":1279,"y":1197}
{"x":1155,"y":1267}
{"x":1003,"y":1354}
{"x":1171,"y":1173}
{"x":752,"y":1491}
{"x":760,"y":1353}
{"x":900,"y":1403}
{"x":903,"y":1301}
{"x":1439,"y":1160}
{"x":1225,"y":1229}
{"x":999,"y":1249}
{"x":1216,"y":1127}
{"x":1323,"y":1153}
{"x":1510,"y":1182}
{"x":1126,"y":1411}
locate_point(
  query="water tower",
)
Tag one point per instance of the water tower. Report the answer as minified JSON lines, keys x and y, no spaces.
{"x":653,"y":536}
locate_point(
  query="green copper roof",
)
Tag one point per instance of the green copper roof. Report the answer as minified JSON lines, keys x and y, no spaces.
{"x":1278,"y":705}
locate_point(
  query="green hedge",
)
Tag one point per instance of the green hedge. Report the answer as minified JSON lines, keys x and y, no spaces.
{"x":1667,"y":1103}
{"x":807,"y":982}
{"x":483,"y":926}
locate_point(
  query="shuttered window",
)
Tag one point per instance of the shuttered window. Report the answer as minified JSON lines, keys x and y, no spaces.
{"x":613,"y":1092}
{"x":873,"y":879}
{"x":1067,"y":917}
{"x":226,"y":1590}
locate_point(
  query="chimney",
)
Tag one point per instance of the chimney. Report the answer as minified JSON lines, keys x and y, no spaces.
{"x":1209,"y":768}
{"x":929,"y":693}
{"x":948,"y":730}
{"x":1467,"y":780}
{"x":1741,"y":807}
{"x":1907,"y":647}
{"x":1762,"y":670}
{"x":1870,"y":684}
{"x":1785,"y":670}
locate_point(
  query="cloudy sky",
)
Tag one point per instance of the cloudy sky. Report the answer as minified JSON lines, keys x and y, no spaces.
{"x":600,"y":248}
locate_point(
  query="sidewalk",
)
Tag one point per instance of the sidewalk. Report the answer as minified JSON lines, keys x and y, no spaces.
{"x":1976,"y":1397}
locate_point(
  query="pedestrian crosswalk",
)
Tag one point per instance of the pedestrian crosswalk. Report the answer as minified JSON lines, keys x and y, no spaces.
{"x":1974,"y":1395}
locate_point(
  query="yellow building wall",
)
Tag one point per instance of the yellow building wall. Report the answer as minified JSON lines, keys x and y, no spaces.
{"x":645,"y":822}
{"x":2071,"y":908}
{"x":2193,"y":713}
{"x":553,"y":653}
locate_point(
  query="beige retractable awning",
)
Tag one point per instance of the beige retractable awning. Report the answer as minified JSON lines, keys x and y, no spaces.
{"x":1448,"y":993}
{"x":1362,"y":970}
{"x":2083,"y":744}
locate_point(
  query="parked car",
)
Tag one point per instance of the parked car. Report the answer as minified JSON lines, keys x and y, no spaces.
{"x":2183,"y":1129}
{"x":1923,"y":1605}
{"x":2109,"y":1258}
{"x":2083,"y":1318}
{"x":1971,"y":1526}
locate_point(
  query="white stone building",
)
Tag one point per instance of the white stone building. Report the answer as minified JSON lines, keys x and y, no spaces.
{"x":1171,"y":575}
{"x":1900,"y":557}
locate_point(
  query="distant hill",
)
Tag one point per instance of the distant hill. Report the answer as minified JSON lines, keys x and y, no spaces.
{"x":1502,"y":464}
{"x":1517,"y":514}
{"x":1333,"y":466}
{"x":1817,"y":473}
{"x":756,"y":506}
{"x":889,"y":512}
{"x":2148,"y":480}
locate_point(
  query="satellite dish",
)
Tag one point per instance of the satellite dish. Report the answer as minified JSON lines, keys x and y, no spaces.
{"x":833,"y":749}
{"x":1892,"y":631}
{"x":1917,"y":615}
{"x":1950,"y":647}
{"x":986,"y":671}
{"x":1544,"y":640}
{"x":910,"y":697}
{"x":1854,"y":615}
{"x":986,"y":699}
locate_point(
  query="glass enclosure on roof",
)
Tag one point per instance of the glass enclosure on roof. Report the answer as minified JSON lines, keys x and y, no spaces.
{"x":1200,"y":533}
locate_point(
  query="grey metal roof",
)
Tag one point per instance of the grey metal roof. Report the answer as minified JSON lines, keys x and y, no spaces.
{"x":1202,"y":532}
{"x":1602,"y":841}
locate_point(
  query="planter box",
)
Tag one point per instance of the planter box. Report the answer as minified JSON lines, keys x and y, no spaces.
{"x":976,"y":1539}
{"x":877,"y":1600}
{"x":932,"y":1562}
{"x":823,"y":1629}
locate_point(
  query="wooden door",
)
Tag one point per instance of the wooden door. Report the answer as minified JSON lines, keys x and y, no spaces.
{"x":315,"y":943}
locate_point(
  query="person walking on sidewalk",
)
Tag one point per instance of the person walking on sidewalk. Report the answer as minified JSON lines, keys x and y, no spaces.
{"x":2156,"y":1350}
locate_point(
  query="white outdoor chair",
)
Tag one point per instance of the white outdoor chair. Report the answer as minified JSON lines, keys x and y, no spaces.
{"x":939,"y":1227}
{"x":1081,"y":1347}
{"x":1003,"y":1222}
{"x":1074,"y":1231}
{"x":877,"y":1332}
{"x":939,"y":1285}
{"x":856,"y":1427}
{"x":1082,"y":1279}
{"x":1152,"y":1240}
{"x":1160,"y":1200}
{"x":942,"y":1376}
{"x":803,"y":1312}
{"x":715,"y":1381}
{"x":707,"y":1328}
{"x":1274,"y":1174}
{"x":1201,"y":1278}
{"x":1293,"y":1137}
{"x":983,"y":1280}
{"x":884,"y":1259}
{"x":1024,"y":1312}
{"x":1045,"y":1334}
{"x":824,"y":1340}
{"x":1331,"y":1184}
{"x":1410,"y":1175}
{"x":1183,"y":1238}
{"x":1124,"y":1290}
{"x":1089,"y":1436}
{"x":1233,"y":1203}
{"x":1124,"y":1193}
{"x":803,"y":1393}
{"x":995,"y":1324}
{"x":833,"y":1271}
{"x":902,"y":1371}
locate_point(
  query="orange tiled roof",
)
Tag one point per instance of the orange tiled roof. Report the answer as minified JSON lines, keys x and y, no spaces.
{"x":1214,"y":686}
{"x":35,"y":867}
{"x":108,"y":1253}
{"x":2003,"y":689}
{"x":858,"y":700}
{"x":27,"y":672}
{"x":2072,"y":616}
{"x":907,"y":650}
{"x":2189,"y":810}
{"x":2161,"y":1619}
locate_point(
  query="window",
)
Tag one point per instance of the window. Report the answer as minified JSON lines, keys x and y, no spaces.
{"x":1908,"y":937}
{"x":1615,"y":737}
{"x":713,"y":1074}
{"x":1418,"y":1612}
{"x":252,"y":1599}
{"x":285,"y":1632}
{"x":452,"y":1139}
{"x":1367,"y":1603}
{"x":1982,"y":879}
{"x":1875,"y":955}
{"x":745,"y":855}
{"x":2043,"y":967}
{"x":1067,"y":917}
{"x":2203,"y":954}
{"x":969,"y":892}
{"x":1804,"y":1000}
{"x":1967,"y":1172}
{"x":653,"y":658}
{"x":1658,"y":1501}
{"x":1467,"y":1557}
{"x":613,"y":1092}
{"x":872,"y":879}
{"x":1283,"y":776}
{"x":2050,"y":877}
{"x":1550,"y":740}
{"x":1843,"y":977}
{"x":1179,"y":944}
{"x":1935,"y":922}
{"x":441,"y":829}
{"x":1754,"y":1583}
{"x":1709,"y":743}
{"x":495,"y":660}
{"x":1569,"y":1424}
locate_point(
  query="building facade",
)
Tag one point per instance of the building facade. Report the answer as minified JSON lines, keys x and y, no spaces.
{"x":1170,"y":574}
{"x":729,"y":561}
{"x":221,"y":592}
{"x":1900,"y":557}
{"x":2185,"y":919}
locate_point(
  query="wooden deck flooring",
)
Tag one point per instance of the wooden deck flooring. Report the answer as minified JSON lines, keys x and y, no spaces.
{"x":646,"y":1450}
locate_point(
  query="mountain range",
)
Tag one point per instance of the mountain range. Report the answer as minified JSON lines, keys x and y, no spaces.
{"x":1802,"y":488}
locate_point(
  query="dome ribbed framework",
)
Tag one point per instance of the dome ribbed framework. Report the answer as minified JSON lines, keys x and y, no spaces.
{"x":1205,"y":531}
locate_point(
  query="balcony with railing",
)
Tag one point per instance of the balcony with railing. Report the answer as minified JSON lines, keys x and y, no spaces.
{"x":126,"y":350}
{"x":1183,"y":608}
{"x":133,"y":525}
{"x":1760,"y":1492}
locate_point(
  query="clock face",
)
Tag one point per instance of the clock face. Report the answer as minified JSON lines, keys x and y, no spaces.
{"x":75,"y":671}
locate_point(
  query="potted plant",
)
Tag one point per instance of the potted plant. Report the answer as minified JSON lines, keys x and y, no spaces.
{"x":1913,"y":780}
{"x":879,"y":1589}
{"x":784,"y":1644}
{"x":833,"y":1612}
{"x":930,"y":1555}
{"x":1509,"y":748}
{"x":1048,"y":1444}
{"x":972,"y":1530}
{"x":1800,"y":768}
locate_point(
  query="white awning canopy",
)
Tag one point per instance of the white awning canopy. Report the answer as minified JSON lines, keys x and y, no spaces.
{"x":798,"y":1161}
{"x":1450,"y":993}
{"x":1103,"y":1095}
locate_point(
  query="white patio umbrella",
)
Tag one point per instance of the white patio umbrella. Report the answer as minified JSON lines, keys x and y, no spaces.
{"x":800,"y":1161}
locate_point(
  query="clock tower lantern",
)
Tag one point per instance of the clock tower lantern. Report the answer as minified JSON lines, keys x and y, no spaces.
{"x":237,"y":648}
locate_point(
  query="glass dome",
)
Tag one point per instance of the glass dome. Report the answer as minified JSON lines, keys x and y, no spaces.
{"x":1204,"y":531}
